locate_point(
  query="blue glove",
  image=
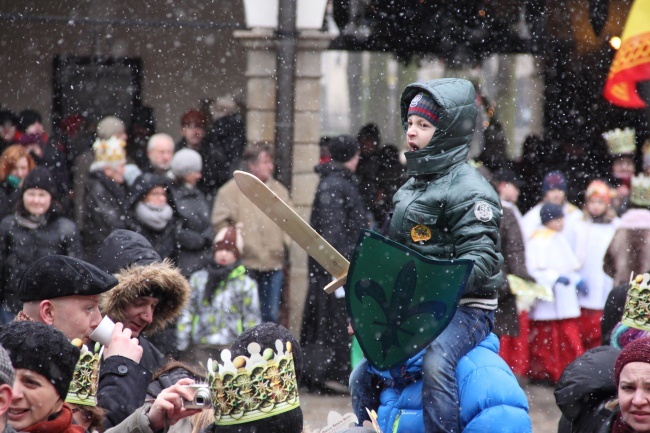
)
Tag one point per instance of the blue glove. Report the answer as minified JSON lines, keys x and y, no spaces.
{"x":582,"y":288}
{"x":563,"y":280}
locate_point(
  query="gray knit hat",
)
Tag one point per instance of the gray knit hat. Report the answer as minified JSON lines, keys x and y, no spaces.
{"x":7,"y":373}
{"x":186,"y":161}
{"x":109,"y":126}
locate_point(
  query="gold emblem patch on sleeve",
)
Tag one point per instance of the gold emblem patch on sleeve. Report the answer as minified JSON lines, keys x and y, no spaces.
{"x":420,"y":233}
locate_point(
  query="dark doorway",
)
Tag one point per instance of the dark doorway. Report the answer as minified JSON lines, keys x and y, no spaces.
{"x":96,"y":87}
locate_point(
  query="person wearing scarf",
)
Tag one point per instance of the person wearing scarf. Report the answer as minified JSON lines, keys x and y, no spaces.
{"x":44,"y":361}
{"x":153,"y":215}
{"x":632,"y":374}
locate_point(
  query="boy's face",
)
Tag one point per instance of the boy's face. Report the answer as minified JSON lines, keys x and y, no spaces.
{"x":508,"y":191}
{"x":419,"y":132}
{"x":623,"y":168}
{"x":596,"y":206}
{"x":157,"y":196}
{"x":224,"y":257}
{"x":555,"y":224}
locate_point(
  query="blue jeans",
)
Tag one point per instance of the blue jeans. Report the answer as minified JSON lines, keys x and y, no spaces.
{"x":269,"y":288}
{"x":440,"y":404}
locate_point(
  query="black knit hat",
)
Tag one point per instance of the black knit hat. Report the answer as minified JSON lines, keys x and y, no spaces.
{"x":56,"y":276}
{"x":40,"y":177}
{"x":28,"y":117}
{"x":41,"y":348}
{"x":551,"y":211}
{"x":343,"y":148}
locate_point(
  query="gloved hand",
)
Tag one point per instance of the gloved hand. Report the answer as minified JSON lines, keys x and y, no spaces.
{"x":563,"y":280}
{"x":582,"y":288}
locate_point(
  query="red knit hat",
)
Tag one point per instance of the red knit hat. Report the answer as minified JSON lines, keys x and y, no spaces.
{"x":194,"y":117}
{"x":636,"y":351}
{"x":230,"y":239}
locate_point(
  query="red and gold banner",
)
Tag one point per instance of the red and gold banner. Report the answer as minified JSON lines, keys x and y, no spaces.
{"x":631,"y":63}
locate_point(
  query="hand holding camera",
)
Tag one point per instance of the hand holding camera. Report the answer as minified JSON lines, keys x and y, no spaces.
{"x":202,"y":398}
{"x":170,"y":406}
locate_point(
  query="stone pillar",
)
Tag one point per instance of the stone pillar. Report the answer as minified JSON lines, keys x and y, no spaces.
{"x":260,"y":126}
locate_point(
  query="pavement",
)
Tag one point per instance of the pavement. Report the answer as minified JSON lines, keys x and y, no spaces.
{"x":543,"y":411}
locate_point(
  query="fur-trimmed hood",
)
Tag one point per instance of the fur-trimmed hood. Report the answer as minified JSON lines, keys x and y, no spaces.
{"x":162,"y":279}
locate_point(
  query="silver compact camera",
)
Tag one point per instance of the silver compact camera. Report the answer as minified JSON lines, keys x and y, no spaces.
{"x":202,"y":398}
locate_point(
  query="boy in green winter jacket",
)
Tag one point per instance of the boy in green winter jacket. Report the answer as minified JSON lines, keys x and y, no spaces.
{"x":446,"y":210}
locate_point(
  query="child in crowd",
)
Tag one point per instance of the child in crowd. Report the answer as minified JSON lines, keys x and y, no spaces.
{"x":224,"y":301}
{"x":554,"y":325}
{"x":590,"y":238}
{"x":446,"y":210}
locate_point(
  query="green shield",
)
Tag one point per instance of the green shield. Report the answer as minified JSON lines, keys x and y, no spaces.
{"x":399,"y":300}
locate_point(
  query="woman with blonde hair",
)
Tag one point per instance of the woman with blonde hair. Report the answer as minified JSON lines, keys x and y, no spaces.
{"x":15,"y":164}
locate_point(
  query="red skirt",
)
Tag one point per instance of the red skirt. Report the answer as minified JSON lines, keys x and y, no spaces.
{"x":554,"y":344}
{"x":590,"y":327}
{"x":514,"y":350}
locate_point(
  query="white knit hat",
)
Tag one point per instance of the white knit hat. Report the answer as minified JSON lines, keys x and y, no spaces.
{"x":186,"y":161}
{"x":109,"y":126}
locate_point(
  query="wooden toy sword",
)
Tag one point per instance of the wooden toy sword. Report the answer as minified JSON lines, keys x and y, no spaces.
{"x":293,"y":225}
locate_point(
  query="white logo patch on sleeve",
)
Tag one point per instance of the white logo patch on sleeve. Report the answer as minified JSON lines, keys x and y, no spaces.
{"x":483,"y":211}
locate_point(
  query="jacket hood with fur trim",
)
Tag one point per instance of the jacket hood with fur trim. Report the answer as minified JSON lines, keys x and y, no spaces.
{"x":162,"y":280}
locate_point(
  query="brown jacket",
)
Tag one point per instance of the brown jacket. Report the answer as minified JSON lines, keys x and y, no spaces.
{"x":629,"y":250}
{"x":513,"y":249}
{"x":265,"y":243}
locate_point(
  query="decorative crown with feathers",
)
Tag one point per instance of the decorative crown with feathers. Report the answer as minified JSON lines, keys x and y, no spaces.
{"x":621,"y":141}
{"x":111,"y":150}
{"x":251,"y":388}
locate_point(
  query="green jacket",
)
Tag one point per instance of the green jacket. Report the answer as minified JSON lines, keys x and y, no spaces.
{"x":447,"y":196}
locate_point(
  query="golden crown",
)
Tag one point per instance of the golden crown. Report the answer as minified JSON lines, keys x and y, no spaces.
{"x":85,"y":380}
{"x":111,"y":150}
{"x":640,"y":190}
{"x":621,"y":141}
{"x":248,"y":389}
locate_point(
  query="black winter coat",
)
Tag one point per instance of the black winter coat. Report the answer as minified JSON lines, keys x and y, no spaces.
{"x":584,"y":388}
{"x":9,"y":196}
{"x":20,"y":246}
{"x":123,"y":383}
{"x":104,"y":210}
{"x":338,"y":214}
{"x":194,"y":230}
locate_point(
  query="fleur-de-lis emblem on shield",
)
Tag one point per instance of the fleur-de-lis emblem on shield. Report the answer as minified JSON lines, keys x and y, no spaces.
{"x":399,"y":300}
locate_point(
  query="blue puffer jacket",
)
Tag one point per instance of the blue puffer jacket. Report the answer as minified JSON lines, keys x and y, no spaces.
{"x":491,"y":399}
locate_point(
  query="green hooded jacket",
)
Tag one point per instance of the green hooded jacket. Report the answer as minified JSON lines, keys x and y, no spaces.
{"x":447,"y":196}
